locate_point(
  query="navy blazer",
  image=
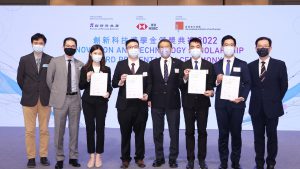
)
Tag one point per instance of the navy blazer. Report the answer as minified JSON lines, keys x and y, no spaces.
{"x":123,"y":68}
{"x":245,"y":83}
{"x":164,"y":95}
{"x":269,"y":93}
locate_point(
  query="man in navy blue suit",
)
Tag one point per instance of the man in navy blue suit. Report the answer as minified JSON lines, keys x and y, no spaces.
{"x":230,"y":112}
{"x":269,"y":84}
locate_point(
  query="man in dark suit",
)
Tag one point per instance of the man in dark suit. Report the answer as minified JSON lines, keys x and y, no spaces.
{"x":195,"y":106}
{"x":31,"y":77}
{"x":269,"y":85}
{"x":230,"y":112}
{"x":132,"y":113}
{"x":164,"y":99}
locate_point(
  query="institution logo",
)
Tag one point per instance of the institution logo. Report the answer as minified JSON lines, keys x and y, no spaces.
{"x":142,"y":26}
{"x":179,"y":25}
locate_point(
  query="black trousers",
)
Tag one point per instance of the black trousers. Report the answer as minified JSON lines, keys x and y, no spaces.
{"x":94,"y":115}
{"x":200,"y":116}
{"x":158,"y":120}
{"x":133,"y":118}
{"x":230,"y":122}
{"x":261,"y":125}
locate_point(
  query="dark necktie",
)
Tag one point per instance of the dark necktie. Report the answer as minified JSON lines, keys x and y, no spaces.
{"x":166,"y":73}
{"x":38,"y":64}
{"x":69,"y":89}
{"x":132,"y":68}
{"x":196,"y":65}
{"x":228,"y":68}
{"x":263,"y":71}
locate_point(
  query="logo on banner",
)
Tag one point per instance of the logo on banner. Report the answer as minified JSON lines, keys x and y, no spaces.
{"x":142,"y":26}
{"x":179,"y":25}
{"x":103,"y":23}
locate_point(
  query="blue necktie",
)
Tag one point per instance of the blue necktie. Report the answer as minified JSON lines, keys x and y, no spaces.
{"x":196,"y":65}
{"x":228,"y":68}
{"x":166,"y":73}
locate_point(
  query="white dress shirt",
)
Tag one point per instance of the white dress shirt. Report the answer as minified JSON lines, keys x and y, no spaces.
{"x":162,"y":65}
{"x":199,"y":63}
{"x":73,"y":74}
{"x":260,"y":64}
{"x":96,"y":69}
{"x":225,"y":64}
{"x":136,"y":64}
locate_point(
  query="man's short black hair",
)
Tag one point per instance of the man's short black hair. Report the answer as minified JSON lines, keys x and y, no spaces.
{"x":131,"y":40}
{"x":263,"y":38}
{"x":164,"y":40}
{"x":228,"y":37}
{"x":38,"y":36}
{"x":70,"y":38}
{"x":196,"y":40}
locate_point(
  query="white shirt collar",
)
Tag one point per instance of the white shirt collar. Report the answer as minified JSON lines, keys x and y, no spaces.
{"x":266,"y":61}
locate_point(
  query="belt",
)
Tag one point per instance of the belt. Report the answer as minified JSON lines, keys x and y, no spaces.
{"x":71,"y":93}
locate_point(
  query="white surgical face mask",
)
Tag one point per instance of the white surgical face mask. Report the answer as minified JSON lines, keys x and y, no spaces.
{"x":228,"y":50}
{"x":134,"y":52}
{"x":196,"y":53}
{"x":38,"y":48}
{"x":97,"y":58}
{"x":165,"y":52}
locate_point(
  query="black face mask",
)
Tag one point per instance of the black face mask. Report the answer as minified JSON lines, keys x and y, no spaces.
{"x":70,"y":51}
{"x":262,"y":52}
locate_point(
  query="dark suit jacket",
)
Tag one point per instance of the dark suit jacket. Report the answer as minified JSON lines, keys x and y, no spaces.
{"x":33,"y":83}
{"x":245,"y":83}
{"x":83,"y":84}
{"x":269,"y":93}
{"x":188,"y":100}
{"x":123,"y":68}
{"x":164,"y":95}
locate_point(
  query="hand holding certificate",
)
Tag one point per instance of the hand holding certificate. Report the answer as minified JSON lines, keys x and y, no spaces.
{"x":134,"y":86}
{"x":230,"y":87}
{"x":197,"y":81}
{"x":98,"y":84}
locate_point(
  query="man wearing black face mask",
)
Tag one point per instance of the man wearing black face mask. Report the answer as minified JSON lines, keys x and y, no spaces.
{"x":63,"y":81}
{"x":269,"y":85}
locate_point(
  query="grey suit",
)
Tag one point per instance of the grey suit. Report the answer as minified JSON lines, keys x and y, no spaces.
{"x":64,"y":105}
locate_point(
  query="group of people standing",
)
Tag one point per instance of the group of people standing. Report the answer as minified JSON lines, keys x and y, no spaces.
{"x":56,"y":82}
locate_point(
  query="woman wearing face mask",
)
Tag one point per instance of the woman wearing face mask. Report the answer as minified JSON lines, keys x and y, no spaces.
{"x":94,"y":107}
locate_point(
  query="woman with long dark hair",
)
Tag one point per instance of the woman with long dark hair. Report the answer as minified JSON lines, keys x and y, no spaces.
{"x":94,"y":107}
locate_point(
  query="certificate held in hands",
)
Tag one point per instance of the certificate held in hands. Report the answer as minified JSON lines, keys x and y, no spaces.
{"x":230,"y":87}
{"x":98,"y":85}
{"x":134,"y":86}
{"x":197,"y":81}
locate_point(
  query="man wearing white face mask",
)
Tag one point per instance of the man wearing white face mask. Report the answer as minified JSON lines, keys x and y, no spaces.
{"x":132,"y":113}
{"x":31,"y":77}
{"x":230,"y":112}
{"x":164,"y":99}
{"x":195,"y":106}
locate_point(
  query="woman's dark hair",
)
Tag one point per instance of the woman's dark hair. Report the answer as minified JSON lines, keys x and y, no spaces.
{"x":90,"y":60}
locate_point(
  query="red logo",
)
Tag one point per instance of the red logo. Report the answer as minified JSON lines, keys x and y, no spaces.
{"x":141,"y":26}
{"x":179,"y":25}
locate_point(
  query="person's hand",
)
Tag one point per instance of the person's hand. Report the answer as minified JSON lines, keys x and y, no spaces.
{"x":238,"y":100}
{"x":123,"y":78}
{"x":149,"y":104}
{"x":89,"y":75}
{"x":145,"y":97}
{"x":209,"y":93}
{"x":219,"y":78}
{"x":106,"y":95}
{"x":186,"y":74}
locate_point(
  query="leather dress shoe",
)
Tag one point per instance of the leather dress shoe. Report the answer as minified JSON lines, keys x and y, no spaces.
{"x":31,"y":163}
{"x":125,"y":164}
{"x":158,"y":163}
{"x":44,"y":161}
{"x":173,"y":164}
{"x":190,"y":165}
{"x":140,"y":163}
{"x":59,"y":165}
{"x":74,"y":163}
{"x":203,"y":165}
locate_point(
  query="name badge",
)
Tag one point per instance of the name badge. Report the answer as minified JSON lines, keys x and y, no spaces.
{"x":236,"y":69}
{"x":176,"y":70}
{"x":45,"y":65}
{"x":145,"y":74}
{"x":205,"y":71}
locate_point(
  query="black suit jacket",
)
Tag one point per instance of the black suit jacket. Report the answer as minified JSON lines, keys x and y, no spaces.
{"x":84,"y":84}
{"x":33,"y":83}
{"x":202,"y":101}
{"x":269,"y":93}
{"x":123,"y":68}
{"x":245,"y":83}
{"x":164,"y":94}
